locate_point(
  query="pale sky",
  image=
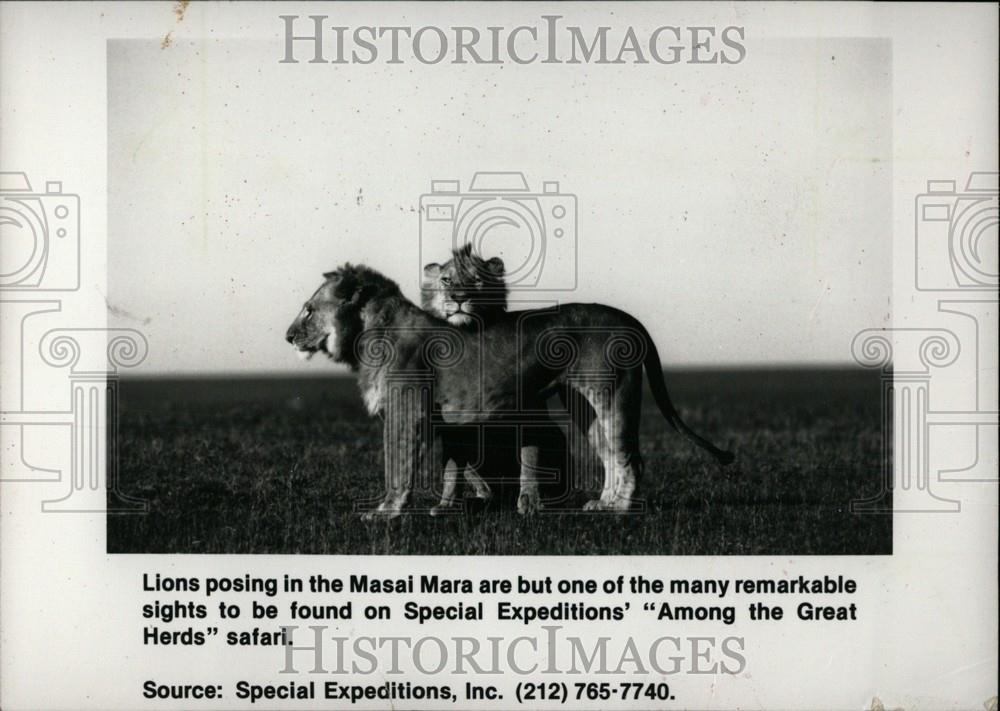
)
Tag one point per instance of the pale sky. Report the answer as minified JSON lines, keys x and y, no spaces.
{"x":742,"y":212}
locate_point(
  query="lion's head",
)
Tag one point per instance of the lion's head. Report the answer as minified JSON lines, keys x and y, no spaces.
{"x":333,"y":318}
{"x":465,"y":289}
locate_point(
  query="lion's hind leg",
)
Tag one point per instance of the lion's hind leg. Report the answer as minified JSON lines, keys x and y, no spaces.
{"x":480,"y":489}
{"x":615,"y":435}
{"x":449,"y":487}
{"x":460,"y":449}
{"x":450,"y":493}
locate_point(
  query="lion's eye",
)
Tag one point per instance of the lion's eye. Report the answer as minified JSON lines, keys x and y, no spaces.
{"x":309,"y":311}
{"x":446,"y":281}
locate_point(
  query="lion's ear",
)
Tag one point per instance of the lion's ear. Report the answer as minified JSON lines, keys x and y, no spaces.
{"x":432,"y":270}
{"x":494,"y":267}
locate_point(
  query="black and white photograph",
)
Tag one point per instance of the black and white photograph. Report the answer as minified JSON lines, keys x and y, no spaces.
{"x":499,"y":355}
{"x":637,"y":342}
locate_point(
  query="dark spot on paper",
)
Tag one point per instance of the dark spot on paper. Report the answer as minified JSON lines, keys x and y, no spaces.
{"x":122,"y":313}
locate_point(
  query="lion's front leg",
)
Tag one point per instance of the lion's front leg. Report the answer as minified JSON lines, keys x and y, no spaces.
{"x":529,"y":499}
{"x":406,"y":435}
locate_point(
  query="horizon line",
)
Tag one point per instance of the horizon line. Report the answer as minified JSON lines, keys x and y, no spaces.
{"x":341,"y":372}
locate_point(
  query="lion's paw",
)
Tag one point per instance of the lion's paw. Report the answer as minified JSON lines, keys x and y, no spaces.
{"x":529,"y":504}
{"x":383,"y":512}
{"x":618,"y":505}
{"x":482,"y":491}
{"x":444,"y":509}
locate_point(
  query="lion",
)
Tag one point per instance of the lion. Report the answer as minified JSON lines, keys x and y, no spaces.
{"x":415,"y":369}
{"x":466,"y":289}
{"x":471,"y":292}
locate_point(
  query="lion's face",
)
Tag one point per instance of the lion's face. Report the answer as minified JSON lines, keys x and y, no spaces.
{"x":314,"y":330}
{"x":331,"y":320}
{"x":465,"y":289}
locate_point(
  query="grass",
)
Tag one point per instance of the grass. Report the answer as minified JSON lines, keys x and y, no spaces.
{"x":276,"y":466}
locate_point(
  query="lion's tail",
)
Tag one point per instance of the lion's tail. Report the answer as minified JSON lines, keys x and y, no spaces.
{"x":654,"y":371}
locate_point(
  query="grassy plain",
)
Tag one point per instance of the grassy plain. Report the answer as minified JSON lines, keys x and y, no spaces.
{"x":235,"y":465}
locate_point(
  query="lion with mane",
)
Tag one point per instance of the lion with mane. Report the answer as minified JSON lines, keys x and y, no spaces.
{"x":417,"y":369}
